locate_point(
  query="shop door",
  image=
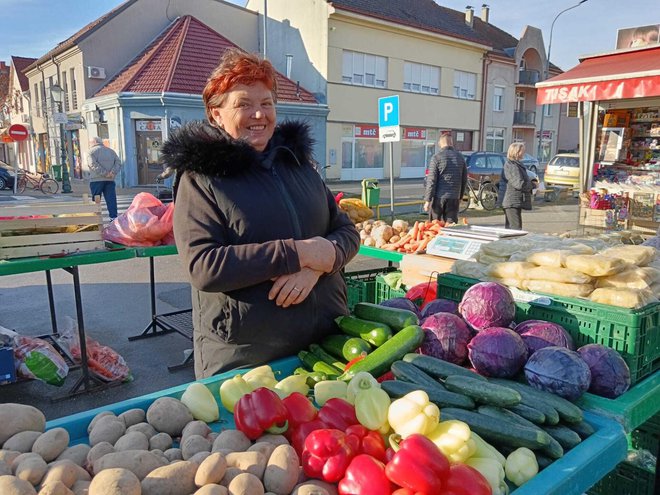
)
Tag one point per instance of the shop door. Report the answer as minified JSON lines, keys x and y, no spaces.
{"x":148,"y":156}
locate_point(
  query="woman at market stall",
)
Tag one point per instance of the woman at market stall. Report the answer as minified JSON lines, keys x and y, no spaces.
{"x":257,"y":229}
{"x":515,"y":188}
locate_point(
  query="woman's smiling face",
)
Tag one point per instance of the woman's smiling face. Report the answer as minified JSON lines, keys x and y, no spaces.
{"x":248,"y":113}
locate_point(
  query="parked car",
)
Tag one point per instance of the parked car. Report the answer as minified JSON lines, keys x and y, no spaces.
{"x":531,"y":163}
{"x":6,"y":176}
{"x":563,"y":170}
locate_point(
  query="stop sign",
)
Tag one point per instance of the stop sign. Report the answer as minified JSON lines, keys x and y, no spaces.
{"x":18,"y":132}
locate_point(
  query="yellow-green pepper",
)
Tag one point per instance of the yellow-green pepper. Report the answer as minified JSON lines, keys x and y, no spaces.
{"x":413,"y":413}
{"x":233,"y":389}
{"x":290,"y":384}
{"x":261,"y":376}
{"x":453,"y":439}
{"x":361,"y":381}
{"x":371,"y":407}
{"x":329,"y":389}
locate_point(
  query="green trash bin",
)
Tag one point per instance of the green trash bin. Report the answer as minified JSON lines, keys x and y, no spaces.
{"x":56,"y":172}
{"x":370,"y":192}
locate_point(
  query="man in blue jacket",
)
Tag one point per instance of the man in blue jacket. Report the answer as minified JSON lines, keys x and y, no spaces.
{"x":446,"y":182}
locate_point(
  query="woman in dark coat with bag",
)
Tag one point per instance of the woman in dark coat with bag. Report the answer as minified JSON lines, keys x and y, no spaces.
{"x":515,"y":189}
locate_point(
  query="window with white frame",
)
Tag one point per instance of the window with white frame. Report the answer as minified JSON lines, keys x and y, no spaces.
{"x":495,"y":139}
{"x":465,"y":85}
{"x":363,"y":69}
{"x":421,"y":78}
{"x":498,"y":98}
{"x":547,"y":110}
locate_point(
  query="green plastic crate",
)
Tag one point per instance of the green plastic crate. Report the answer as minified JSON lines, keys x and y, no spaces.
{"x":634,"y":333}
{"x":626,"y":479}
{"x":647,"y":436}
{"x":385,"y":292}
{"x":361,"y":286}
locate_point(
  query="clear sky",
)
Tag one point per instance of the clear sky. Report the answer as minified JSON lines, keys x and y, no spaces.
{"x":30,"y":28}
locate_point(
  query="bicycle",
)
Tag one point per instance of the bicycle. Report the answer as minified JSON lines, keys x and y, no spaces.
{"x":39,"y":181}
{"x":486,"y":196}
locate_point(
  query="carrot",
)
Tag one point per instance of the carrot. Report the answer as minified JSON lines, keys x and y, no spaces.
{"x":423,"y":244}
{"x":414,"y":230}
{"x":420,"y":232}
{"x":406,"y":238}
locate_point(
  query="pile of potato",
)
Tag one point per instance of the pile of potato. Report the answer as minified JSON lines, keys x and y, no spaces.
{"x":161,"y":451}
{"x":400,"y":236}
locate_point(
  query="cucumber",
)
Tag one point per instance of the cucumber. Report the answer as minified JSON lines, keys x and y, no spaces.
{"x":566,"y":437}
{"x":437,"y":395}
{"x":543,"y":461}
{"x":313,"y":377}
{"x":373,"y":332}
{"x":438,"y":368}
{"x":329,"y":358}
{"x":582,"y":428}
{"x":334,"y":345}
{"x":529,"y":413}
{"x":412,"y":374}
{"x":380,"y":359}
{"x":314,"y":363}
{"x":499,"y":431}
{"x":551,"y":414}
{"x":568,"y":412}
{"x":345,"y":347}
{"x":483,"y":392}
{"x":397,"y":319}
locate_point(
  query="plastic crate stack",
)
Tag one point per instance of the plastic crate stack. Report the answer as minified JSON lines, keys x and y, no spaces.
{"x":365,"y":286}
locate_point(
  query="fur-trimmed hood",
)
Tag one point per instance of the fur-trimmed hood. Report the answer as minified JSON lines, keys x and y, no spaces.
{"x":201,"y":148}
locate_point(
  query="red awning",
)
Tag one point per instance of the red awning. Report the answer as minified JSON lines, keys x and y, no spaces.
{"x":612,"y":76}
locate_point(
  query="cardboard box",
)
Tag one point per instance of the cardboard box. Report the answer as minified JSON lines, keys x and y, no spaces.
{"x":420,"y":268}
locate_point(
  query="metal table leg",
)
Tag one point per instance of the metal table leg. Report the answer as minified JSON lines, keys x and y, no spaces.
{"x":51,"y":302}
{"x":154,"y":327}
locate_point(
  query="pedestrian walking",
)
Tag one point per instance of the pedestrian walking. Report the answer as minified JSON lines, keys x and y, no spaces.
{"x":515,"y":188}
{"x":104,"y":165}
{"x":446,"y":182}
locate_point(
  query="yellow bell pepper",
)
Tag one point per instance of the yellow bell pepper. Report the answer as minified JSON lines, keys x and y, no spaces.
{"x":371,"y":407}
{"x":361,"y":381}
{"x":413,"y":413}
{"x":453,"y":439}
{"x":233,"y":389}
{"x":261,"y":376}
{"x":329,"y":389}
{"x":290,"y":384}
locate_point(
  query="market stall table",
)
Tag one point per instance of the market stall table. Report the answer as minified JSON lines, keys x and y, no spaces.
{"x":69,"y":263}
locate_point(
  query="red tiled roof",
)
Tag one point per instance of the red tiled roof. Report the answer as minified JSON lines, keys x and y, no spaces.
{"x":20,"y":64}
{"x":180,"y":60}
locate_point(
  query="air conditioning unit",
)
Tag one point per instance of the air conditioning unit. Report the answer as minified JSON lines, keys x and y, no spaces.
{"x":25,"y":118}
{"x":95,"y":72}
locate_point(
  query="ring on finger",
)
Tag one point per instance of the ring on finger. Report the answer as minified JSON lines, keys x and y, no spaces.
{"x":296,"y":289}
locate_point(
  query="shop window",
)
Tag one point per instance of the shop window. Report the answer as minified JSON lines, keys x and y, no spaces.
{"x":421,"y":78}
{"x":498,"y":99}
{"x":465,"y":85}
{"x":547,"y":110}
{"x":495,"y":139}
{"x":363,"y":69}
{"x":362,"y":150}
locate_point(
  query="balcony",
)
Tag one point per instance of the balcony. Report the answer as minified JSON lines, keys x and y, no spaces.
{"x":525,"y":118}
{"x":528,"y":77}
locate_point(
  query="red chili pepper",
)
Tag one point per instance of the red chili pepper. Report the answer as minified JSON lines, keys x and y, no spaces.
{"x":259,"y":411}
{"x":338,"y":414}
{"x":355,"y":360}
{"x":371,"y":442}
{"x":299,"y":408}
{"x":418,"y":465}
{"x":387,"y":376}
{"x":365,"y":476}
{"x":327,"y":454}
{"x":297,"y":435}
{"x":465,"y":480}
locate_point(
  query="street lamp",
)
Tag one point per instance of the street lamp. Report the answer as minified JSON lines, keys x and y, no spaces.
{"x":57,"y":94}
{"x":546,"y":70}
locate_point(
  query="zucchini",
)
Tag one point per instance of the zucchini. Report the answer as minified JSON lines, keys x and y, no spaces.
{"x":582,"y":428}
{"x":438,"y":395}
{"x":321,"y":353}
{"x":314,"y":363}
{"x":412,"y":374}
{"x":313,"y":377}
{"x":380,"y":359}
{"x":373,"y":332}
{"x":345,"y":347}
{"x":568,"y":412}
{"x":483,"y":392}
{"x":566,"y":437}
{"x":499,"y":431}
{"x":529,"y":413}
{"x":397,"y":319}
{"x":438,"y":368}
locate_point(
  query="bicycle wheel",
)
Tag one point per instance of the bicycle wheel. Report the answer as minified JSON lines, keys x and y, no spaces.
{"x":488,"y":196}
{"x":20,"y":187}
{"x":464,"y":203}
{"x":49,"y":186}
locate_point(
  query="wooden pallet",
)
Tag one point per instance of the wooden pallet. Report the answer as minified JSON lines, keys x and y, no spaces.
{"x":44,"y":228}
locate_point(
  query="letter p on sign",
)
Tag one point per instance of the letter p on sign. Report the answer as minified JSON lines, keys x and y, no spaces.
{"x":388,"y":111}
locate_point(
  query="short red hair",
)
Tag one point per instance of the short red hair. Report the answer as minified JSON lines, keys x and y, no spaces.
{"x":237,"y":67}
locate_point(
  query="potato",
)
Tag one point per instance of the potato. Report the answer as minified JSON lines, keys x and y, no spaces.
{"x":107,"y":429}
{"x":55,"y":488}
{"x":32,"y":469}
{"x":139,"y":462}
{"x":115,"y":481}
{"x":266,"y":448}
{"x":77,"y":454}
{"x":11,"y":485}
{"x":145,"y":428}
{"x":22,"y":457}
{"x":211,"y":470}
{"x":196,"y":428}
{"x":5,"y":468}
{"x":212,"y":436}
{"x":245,"y":484}
{"x":173,"y":454}
{"x":135,"y":440}
{"x":193,"y":444}
{"x":81,"y":487}
{"x":65,"y":471}
{"x":96,"y":418}
{"x":330,"y":488}
{"x":199,"y":457}
{"x":51,"y":443}
{"x":160,"y":441}
{"x":282,"y":470}
{"x":211,"y":490}
{"x":133,"y":417}
{"x":98,"y":451}
{"x":17,"y":418}
{"x":230,"y":474}
{"x":274,"y":439}
{"x":232,"y":440}
{"x":309,"y":489}
{"x":8,"y":456}
{"x":250,"y":462}
{"x":176,"y":479}
{"x":169,"y":415}
{"x":22,"y":441}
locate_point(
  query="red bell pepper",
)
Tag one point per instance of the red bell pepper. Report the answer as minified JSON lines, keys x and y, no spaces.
{"x":259,"y":411}
{"x":328,"y":453}
{"x":299,"y":408}
{"x":465,"y":480}
{"x":371,"y":442}
{"x":418,"y":465}
{"x":338,"y":413}
{"x":387,"y":376}
{"x":365,"y":476}
{"x":296,"y":436}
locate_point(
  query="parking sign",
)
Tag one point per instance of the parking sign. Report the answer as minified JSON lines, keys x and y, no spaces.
{"x":388,"y":119}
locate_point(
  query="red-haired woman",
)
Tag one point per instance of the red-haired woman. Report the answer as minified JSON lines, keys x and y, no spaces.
{"x":257,"y":229}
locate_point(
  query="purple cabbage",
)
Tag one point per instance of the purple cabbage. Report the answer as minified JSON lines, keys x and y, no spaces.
{"x":446,"y":337}
{"x":498,"y":352}
{"x":486,"y":305}
{"x":401,"y":303}
{"x":439,"y":306}
{"x":538,"y":334}
{"x":560,"y":371}
{"x":610,"y":375}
